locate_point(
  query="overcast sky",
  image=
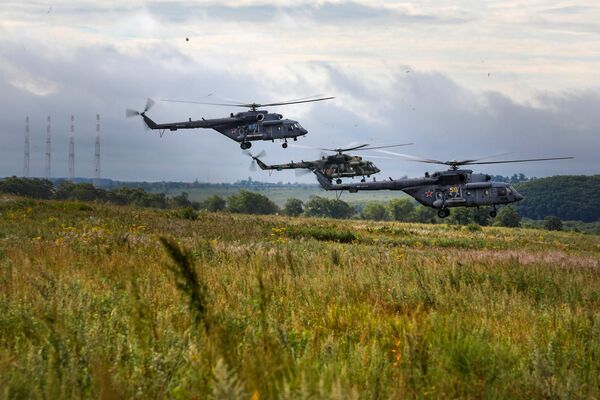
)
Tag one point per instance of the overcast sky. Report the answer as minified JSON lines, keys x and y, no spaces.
{"x":460,"y":79}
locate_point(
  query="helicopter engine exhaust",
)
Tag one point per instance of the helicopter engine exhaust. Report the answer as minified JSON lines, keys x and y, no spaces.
{"x":260,"y":117}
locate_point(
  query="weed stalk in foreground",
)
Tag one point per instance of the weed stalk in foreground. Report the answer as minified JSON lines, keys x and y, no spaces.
{"x":187,"y":280}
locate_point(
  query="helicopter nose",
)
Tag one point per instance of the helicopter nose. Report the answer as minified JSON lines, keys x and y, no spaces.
{"x":518,"y":196}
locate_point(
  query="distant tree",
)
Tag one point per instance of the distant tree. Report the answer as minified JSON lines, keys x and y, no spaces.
{"x":481,"y":216}
{"x":30,"y":187}
{"x":401,"y":210}
{"x":247,"y":202}
{"x":182,"y":200}
{"x":214,"y":203}
{"x":79,"y":191}
{"x":293,"y":207}
{"x":321,"y":207}
{"x":461,"y":216}
{"x":374,"y":210}
{"x":553,"y":223}
{"x":425,"y":215}
{"x":317,"y":206}
{"x":340,"y":209}
{"x":509,"y":217}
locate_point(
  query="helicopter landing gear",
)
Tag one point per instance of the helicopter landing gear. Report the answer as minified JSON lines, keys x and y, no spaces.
{"x":493,"y":213}
{"x":443,"y":213}
{"x":338,"y":181}
{"x":284,"y":145}
{"x":245,"y":145}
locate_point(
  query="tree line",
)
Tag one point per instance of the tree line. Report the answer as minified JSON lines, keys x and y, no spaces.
{"x":249,"y":202}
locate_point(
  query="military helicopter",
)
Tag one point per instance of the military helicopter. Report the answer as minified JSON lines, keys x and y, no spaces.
{"x":338,"y":165}
{"x":243,"y":127}
{"x":445,"y":189}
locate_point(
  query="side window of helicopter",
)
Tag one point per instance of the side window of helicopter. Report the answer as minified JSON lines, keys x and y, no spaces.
{"x":468,"y":193}
{"x":501,"y":191}
{"x":486,"y":192}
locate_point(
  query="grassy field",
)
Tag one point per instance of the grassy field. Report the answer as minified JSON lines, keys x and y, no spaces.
{"x":93,"y":303}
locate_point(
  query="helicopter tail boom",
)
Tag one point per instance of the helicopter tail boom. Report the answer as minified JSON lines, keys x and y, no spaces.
{"x":149,"y":123}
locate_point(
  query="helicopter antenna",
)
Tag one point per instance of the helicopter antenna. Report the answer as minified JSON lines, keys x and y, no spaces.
{"x":253,"y":106}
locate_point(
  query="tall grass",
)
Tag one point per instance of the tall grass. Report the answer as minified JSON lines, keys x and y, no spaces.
{"x":93,"y":305}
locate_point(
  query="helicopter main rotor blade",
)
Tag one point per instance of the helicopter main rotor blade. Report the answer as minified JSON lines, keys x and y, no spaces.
{"x":380,"y":157}
{"x":341,"y":150}
{"x":411,"y":158}
{"x":383,"y":147}
{"x":518,"y":161}
{"x":247,"y":105}
{"x":204,"y":102}
{"x":291,"y":102}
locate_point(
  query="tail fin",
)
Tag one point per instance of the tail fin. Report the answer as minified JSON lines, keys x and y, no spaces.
{"x":149,"y":123}
{"x":323,"y":180}
{"x":261,"y":164}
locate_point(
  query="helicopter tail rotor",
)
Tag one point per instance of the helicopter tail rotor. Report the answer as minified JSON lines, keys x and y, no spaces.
{"x":129,"y":113}
{"x":254,"y":158}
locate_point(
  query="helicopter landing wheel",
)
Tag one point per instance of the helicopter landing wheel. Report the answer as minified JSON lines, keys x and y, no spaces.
{"x":338,"y":181}
{"x":493,"y":214}
{"x":245,"y":145}
{"x":284,"y":145}
{"x":443,"y":213}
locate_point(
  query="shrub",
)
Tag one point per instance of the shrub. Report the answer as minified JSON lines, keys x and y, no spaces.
{"x":374,"y":210}
{"x":553,"y":223}
{"x":509,"y":217}
{"x":321,"y":233}
{"x":322,"y":207}
{"x":293,"y":207}
{"x":247,"y":202}
{"x":186,"y":213}
{"x":214,"y":203}
{"x":401,"y":210}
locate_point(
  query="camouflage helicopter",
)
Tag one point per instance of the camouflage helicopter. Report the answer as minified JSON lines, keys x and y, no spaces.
{"x":338,"y":165}
{"x":446,"y":189}
{"x":243,"y":127}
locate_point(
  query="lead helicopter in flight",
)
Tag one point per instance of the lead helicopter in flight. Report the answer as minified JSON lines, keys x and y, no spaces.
{"x":334,"y":166}
{"x":243,"y":127}
{"x":443,"y":190}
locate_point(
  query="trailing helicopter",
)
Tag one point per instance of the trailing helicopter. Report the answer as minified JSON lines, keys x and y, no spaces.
{"x":443,"y":190}
{"x":243,"y":127}
{"x":338,"y":165}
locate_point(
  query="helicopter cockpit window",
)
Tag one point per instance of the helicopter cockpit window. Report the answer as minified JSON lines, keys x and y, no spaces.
{"x":501,"y":191}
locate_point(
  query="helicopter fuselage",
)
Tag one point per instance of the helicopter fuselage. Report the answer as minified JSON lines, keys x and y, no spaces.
{"x":441,"y":190}
{"x":333,"y":166}
{"x":242,"y":127}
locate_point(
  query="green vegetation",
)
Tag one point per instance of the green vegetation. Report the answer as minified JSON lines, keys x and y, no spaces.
{"x":105,"y":301}
{"x":247,"y":202}
{"x":509,"y":217}
{"x":293,"y":207}
{"x":567,"y":197}
{"x":553,"y":223}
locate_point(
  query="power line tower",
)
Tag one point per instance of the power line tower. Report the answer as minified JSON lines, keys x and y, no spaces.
{"x":26,"y":158}
{"x":48,"y":149}
{"x":97,"y":153}
{"x":72,"y":150}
